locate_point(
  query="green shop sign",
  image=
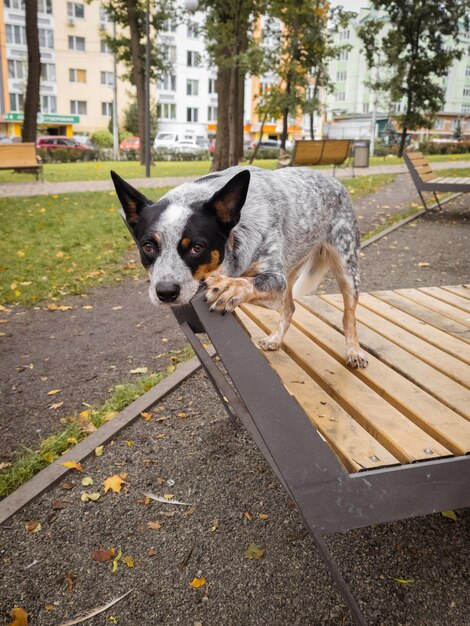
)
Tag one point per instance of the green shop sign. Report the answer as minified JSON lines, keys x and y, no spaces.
{"x":44,"y":118}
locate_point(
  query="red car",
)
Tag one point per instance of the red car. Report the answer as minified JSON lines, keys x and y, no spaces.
{"x":130,"y":143}
{"x":51,"y":142}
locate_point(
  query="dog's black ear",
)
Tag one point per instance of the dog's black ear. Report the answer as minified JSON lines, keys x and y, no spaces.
{"x":228,"y":202}
{"x":132,"y":201}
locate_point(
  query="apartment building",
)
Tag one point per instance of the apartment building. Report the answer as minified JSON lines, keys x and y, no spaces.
{"x":76,"y":91}
{"x":349,"y":108}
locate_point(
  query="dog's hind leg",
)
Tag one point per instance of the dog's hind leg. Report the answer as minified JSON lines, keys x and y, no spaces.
{"x":346,"y":272}
{"x":274,"y":340}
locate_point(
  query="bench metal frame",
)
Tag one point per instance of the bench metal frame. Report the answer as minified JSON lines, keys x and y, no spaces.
{"x":431,"y":186}
{"x":329,"y":498}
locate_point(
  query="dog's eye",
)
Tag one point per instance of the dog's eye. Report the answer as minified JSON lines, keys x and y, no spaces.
{"x":197,"y":248}
{"x":148,"y":247}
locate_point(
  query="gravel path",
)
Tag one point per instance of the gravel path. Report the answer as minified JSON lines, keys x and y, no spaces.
{"x":190,"y":450}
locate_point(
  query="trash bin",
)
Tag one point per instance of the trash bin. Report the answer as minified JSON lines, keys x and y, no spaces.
{"x":361,"y":153}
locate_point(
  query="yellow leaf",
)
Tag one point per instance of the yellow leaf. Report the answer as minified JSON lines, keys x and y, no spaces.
{"x":87,"y":307}
{"x":154,"y":525}
{"x":168,"y":496}
{"x":99,"y":451}
{"x":128,"y":560}
{"x":197,"y":582}
{"x":33,"y":526}
{"x":139,"y":370}
{"x":85,"y":414}
{"x":73,"y":440}
{"x":404,"y":581}
{"x":20,"y":253}
{"x":424,"y":264}
{"x":49,"y":607}
{"x":450,"y":515}
{"x":53,"y":392}
{"x":85,"y":497}
{"x":59,"y":254}
{"x":109,"y":416}
{"x":147,"y":416}
{"x":182,"y":414}
{"x":20,"y":617}
{"x":263,"y":516}
{"x":73,"y":465}
{"x":247,"y":516}
{"x":50,"y":457}
{"x":87,"y":481}
{"x":116,"y":561}
{"x":254,"y":552}
{"x":129,"y":443}
{"x":114,"y":483}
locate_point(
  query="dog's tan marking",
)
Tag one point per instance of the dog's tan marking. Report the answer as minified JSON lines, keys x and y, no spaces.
{"x":223,"y":211}
{"x":225,"y":293}
{"x":132,"y":212}
{"x":157,"y":238}
{"x":252,"y":270}
{"x":204,"y":270}
{"x":185,"y":243}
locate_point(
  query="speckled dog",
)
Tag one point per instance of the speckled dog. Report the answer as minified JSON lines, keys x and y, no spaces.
{"x":250,"y":235}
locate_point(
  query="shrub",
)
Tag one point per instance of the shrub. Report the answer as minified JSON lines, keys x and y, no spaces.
{"x":102,"y":139}
{"x":263,"y":153}
{"x":63,"y":155}
{"x":430,"y":147}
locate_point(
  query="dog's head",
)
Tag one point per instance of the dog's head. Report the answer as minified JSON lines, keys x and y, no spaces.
{"x":181,"y":240}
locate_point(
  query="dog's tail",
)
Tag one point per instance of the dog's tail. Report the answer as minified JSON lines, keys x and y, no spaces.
{"x":312,"y":273}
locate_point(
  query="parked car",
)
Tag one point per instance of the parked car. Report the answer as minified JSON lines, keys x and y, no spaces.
{"x":202,"y":142}
{"x":212,"y":147}
{"x":130,"y":143}
{"x":85,"y":140}
{"x":189,"y":146}
{"x":266,"y":143}
{"x":165,"y":140}
{"x":53,"y":142}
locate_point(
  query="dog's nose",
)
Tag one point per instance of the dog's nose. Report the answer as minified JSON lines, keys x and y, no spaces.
{"x":167,"y":292}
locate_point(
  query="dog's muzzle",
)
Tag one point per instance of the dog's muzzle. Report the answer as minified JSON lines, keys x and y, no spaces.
{"x":167,"y":292}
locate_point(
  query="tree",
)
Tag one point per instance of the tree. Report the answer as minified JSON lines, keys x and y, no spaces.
{"x":131,"y":118}
{"x":419,"y":45}
{"x":31,"y":105}
{"x":129,"y":46}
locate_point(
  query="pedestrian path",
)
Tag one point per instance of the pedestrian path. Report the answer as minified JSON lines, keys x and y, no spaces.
{"x":34,"y":188}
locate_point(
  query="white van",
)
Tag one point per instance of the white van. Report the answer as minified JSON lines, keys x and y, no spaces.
{"x":165,"y":139}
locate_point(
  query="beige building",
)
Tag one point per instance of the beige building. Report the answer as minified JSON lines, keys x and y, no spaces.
{"x":77,"y":68}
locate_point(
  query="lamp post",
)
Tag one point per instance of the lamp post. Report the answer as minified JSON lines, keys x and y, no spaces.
{"x":189,"y":5}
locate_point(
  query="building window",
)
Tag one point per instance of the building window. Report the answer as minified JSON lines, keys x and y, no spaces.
{"x":344,"y":35}
{"x":78,"y":107}
{"x":77,"y":43}
{"x":104,"y":47}
{"x":344,"y":55}
{"x":107,"y":109}
{"x":17,"y":69}
{"x":46,"y":38}
{"x":466,"y":93}
{"x":45,"y":6}
{"x":340,"y":96}
{"x":193,"y":58}
{"x":466,"y":109}
{"x":212,"y":114}
{"x":48,"y":104}
{"x":104,"y":18}
{"x":169,"y":26}
{"x":191,"y":114}
{"x":77,"y":76}
{"x":48,"y":72}
{"x":166,"y":111}
{"x":170,"y":53}
{"x":167,"y":83}
{"x":467,"y":72}
{"x":107,"y":78}
{"x":439,"y":124}
{"x":192,"y":87}
{"x":75,"y":10}
{"x":211,"y":85}
{"x":16,"y":102}
{"x":15,"y":4}
{"x":341,"y":77}
{"x":193,"y":30}
{"x":16,"y":34}
{"x":365,"y":107}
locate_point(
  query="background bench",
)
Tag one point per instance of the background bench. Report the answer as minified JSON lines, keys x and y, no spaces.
{"x":20,"y":157}
{"x":426,"y":180}
{"x":321,"y":152}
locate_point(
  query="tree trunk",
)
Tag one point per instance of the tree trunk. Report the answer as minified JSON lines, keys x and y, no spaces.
{"x":261,"y":131}
{"x":312,"y":129}
{"x":233,"y":116}
{"x":240,"y":115}
{"x":31,"y":105}
{"x":285,"y":124}
{"x":401,"y":147}
{"x":221,"y":152}
{"x":138,"y":73}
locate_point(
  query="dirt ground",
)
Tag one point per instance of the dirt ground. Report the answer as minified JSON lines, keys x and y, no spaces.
{"x":194,"y":453}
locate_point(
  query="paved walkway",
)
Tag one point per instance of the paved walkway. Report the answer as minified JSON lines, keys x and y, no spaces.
{"x":44,"y":188}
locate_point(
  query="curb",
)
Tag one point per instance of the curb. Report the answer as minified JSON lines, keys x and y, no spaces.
{"x":54,"y":472}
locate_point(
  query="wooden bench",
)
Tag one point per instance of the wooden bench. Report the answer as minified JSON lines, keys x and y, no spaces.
{"x":321,"y":152}
{"x":426,"y":180}
{"x":352,"y":448}
{"x":20,"y":157}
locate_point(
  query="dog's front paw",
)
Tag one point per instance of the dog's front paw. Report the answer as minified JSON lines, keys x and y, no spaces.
{"x":224,"y":293}
{"x":270,"y":343}
{"x":356,"y":358}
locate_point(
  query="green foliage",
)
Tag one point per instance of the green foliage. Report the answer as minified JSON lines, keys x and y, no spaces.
{"x":102,"y":139}
{"x":428,"y":147}
{"x":65,"y":155}
{"x":131,"y":124}
{"x":419,"y":44}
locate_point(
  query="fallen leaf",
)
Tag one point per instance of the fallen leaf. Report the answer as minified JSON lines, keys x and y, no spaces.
{"x":197,"y":582}
{"x":147,"y":416}
{"x":68,"y":486}
{"x":154,"y":525}
{"x":215,"y":525}
{"x":254,"y":552}
{"x":424,"y":264}
{"x":20,"y":253}
{"x":182,"y":414}
{"x":87,"y":307}
{"x":116,"y":561}
{"x":103,"y":555}
{"x":263,"y":516}
{"x":128,"y":560}
{"x":139,"y":370}
{"x":73,"y":465}
{"x":99,"y":451}
{"x":109,"y":416}
{"x":248,"y":516}
{"x":58,"y":504}
{"x":56,"y":405}
{"x":130,"y":443}
{"x":70,"y":580}
{"x":58,"y":307}
{"x":4,"y":465}
{"x":152,"y":552}
{"x":53,"y":392}
{"x":117,"y":308}
{"x":87,"y":481}
{"x":168,"y":496}
{"x":49,"y":607}
{"x":33,"y":526}
{"x":20,"y":617}
{"x":114,"y":483}
{"x":450,"y":515}
{"x":404,"y":581}
{"x":73,"y":440}
{"x":86,"y":497}
{"x":49,"y":457}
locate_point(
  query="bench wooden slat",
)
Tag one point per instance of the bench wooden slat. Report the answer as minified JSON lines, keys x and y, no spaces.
{"x":435,"y":312}
{"x":307,"y":152}
{"x":449,"y":298}
{"x":424,"y":169}
{"x":336,"y":151}
{"x":419,"y":348}
{"x":459,"y":290}
{"x":352,"y":443}
{"x":416,"y":156}
{"x":392,"y":429}
{"x":320,"y":152}
{"x":18,"y":156}
{"x":428,"y":177}
{"x":440,"y":422}
{"x":421,"y":374}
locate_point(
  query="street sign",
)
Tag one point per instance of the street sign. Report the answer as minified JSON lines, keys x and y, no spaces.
{"x":44,"y":118}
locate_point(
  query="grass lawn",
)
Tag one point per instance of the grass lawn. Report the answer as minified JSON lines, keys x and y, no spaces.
{"x":58,"y":245}
{"x":61,"y":172}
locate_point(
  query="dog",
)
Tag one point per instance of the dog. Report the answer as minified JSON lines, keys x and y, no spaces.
{"x":249,"y":235}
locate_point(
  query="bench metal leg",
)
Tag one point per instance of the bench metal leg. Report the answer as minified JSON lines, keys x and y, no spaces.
{"x":423,"y":200}
{"x":437,"y":200}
